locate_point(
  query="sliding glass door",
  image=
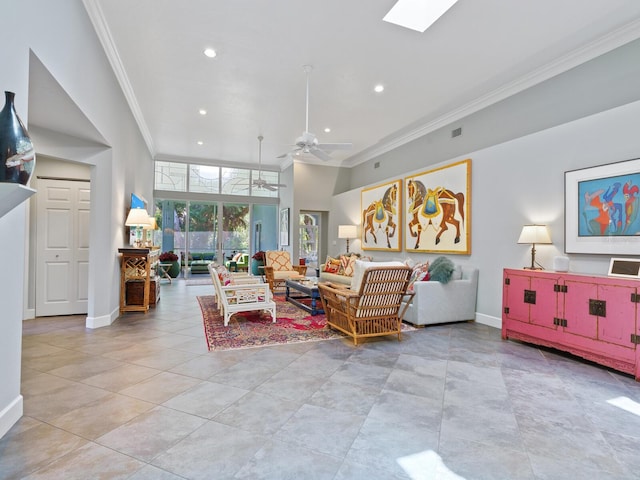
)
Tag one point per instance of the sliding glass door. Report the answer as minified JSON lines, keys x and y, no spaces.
{"x":235,"y":230}
{"x":214,"y":231}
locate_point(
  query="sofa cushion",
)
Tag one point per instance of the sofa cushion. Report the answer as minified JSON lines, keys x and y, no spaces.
{"x":361,"y":266}
{"x":279,"y":260}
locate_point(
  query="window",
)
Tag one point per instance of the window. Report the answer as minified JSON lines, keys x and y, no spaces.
{"x":212,"y":179}
{"x":204,"y":179}
{"x":171,"y":176}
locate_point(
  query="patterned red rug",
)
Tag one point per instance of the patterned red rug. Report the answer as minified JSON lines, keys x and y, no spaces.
{"x":256,"y":329}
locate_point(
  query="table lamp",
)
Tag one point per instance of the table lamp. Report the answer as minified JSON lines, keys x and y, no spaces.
{"x":137,"y":217}
{"x":148,"y":231}
{"x":347,"y":232}
{"x":534,"y":234}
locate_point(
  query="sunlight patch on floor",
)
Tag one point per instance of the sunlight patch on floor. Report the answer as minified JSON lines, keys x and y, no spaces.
{"x":426,"y":465}
{"x":626,"y":404}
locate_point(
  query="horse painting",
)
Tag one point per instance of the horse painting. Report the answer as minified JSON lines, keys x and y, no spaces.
{"x":381,"y":212}
{"x":433,"y":204}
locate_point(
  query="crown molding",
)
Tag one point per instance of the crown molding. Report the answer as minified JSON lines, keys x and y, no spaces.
{"x":104,"y":35}
{"x":602,"y":45}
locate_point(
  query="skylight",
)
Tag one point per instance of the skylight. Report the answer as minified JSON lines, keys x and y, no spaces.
{"x":417,"y":14}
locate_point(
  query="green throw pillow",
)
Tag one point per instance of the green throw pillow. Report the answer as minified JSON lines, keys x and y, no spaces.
{"x":440,"y":269}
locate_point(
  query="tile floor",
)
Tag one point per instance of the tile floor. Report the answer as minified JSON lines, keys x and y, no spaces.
{"x":143,"y":399}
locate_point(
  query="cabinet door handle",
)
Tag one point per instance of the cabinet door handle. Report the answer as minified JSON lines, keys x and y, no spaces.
{"x":530,"y":297}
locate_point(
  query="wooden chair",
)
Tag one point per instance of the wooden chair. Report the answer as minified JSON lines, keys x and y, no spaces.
{"x":278,"y":268}
{"x":242,"y":294}
{"x":371,"y":310}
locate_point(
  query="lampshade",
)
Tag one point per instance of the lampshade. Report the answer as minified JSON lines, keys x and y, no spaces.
{"x":534,"y":234}
{"x":347,"y":231}
{"x":152,"y":224}
{"x":138,"y":217}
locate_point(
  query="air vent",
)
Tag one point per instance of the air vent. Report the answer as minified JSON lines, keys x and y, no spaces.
{"x":456,"y":132}
{"x":376,"y":165}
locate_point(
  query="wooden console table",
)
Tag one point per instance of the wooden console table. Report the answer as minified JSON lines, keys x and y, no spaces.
{"x":137,"y":265}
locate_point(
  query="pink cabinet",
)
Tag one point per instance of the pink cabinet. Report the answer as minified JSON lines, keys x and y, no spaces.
{"x":590,"y":316}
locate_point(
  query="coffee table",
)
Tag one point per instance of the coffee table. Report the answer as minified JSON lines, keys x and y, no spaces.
{"x":298,"y":290}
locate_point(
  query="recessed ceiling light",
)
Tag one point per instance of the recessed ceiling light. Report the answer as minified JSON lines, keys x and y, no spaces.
{"x":378,"y":88}
{"x":327,"y":130}
{"x":200,"y":142}
{"x":417,"y":14}
{"x":210,"y":52}
{"x":202,"y":111}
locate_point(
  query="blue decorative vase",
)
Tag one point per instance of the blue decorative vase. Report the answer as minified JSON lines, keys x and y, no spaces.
{"x":18,"y":158}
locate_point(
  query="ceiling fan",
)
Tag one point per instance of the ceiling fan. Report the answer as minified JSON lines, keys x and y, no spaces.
{"x":261,"y":182}
{"x":307,"y":142}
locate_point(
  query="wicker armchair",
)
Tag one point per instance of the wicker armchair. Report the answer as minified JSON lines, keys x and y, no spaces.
{"x":374,"y":309}
{"x":278,"y":268}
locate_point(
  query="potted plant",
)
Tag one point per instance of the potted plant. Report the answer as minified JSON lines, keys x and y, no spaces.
{"x":257,"y":260}
{"x":172,"y":258}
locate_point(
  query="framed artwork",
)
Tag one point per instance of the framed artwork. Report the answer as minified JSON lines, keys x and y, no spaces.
{"x":284,"y":227}
{"x":438,"y":210}
{"x":601,"y":209}
{"x":382,"y":217}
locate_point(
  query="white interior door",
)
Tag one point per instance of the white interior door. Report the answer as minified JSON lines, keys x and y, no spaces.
{"x":62,"y":257}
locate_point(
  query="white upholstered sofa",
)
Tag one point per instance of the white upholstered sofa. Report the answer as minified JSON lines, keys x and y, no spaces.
{"x":436,"y":302}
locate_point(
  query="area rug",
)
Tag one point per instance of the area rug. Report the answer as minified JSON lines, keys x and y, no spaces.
{"x":256,"y":329}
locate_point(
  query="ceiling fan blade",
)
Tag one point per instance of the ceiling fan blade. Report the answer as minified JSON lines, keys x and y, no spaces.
{"x":335,"y":146}
{"x":269,"y":187}
{"x":290,"y":152}
{"x":321,"y":154}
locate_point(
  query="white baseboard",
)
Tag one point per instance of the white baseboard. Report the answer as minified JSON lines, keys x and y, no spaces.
{"x":29,"y":313}
{"x":102,"y":321}
{"x":10,"y":415}
{"x":494,"y":322}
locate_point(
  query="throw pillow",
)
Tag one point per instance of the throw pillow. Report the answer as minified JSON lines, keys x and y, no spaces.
{"x":331,"y":267}
{"x":420,"y":273}
{"x":347,"y":263}
{"x":441,"y":269}
{"x":223,"y":275}
{"x":330,"y":262}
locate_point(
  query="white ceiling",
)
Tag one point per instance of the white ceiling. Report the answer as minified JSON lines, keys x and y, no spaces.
{"x":479,"y":52}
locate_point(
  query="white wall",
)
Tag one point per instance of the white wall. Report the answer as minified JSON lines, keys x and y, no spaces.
{"x":61,"y":36}
{"x":519,"y":182}
{"x":314,"y":188}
